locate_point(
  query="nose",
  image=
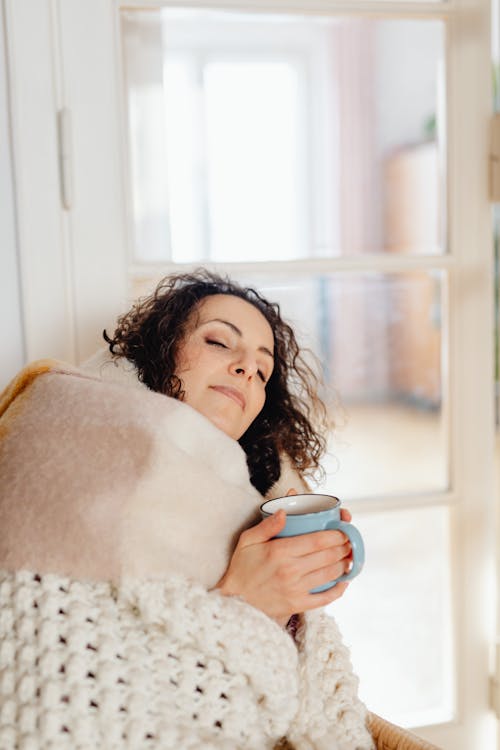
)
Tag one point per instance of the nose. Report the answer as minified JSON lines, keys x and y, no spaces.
{"x":245,"y":366}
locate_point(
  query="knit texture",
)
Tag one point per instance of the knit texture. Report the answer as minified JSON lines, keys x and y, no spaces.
{"x":164,"y":665}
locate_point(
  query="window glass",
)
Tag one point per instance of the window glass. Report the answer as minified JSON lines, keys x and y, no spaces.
{"x":256,"y":136}
{"x":402,"y":651}
{"x":379,"y":338}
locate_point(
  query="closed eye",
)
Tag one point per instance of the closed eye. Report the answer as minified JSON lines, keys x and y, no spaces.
{"x":213,"y":342}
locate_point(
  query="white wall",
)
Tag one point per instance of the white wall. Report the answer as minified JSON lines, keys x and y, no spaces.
{"x":11,"y":326}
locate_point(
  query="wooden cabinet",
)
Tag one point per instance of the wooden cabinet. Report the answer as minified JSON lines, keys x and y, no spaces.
{"x":413,"y":221}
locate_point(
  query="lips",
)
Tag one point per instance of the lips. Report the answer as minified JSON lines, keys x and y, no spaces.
{"x":232,"y":393}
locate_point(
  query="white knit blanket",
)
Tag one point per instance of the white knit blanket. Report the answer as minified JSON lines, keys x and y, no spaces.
{"x":142,"y":658}
{"x":155,"y":664}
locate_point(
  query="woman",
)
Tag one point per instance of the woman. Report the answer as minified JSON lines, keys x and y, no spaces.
{"x":137,"y":613}
{"x":225,"y":351}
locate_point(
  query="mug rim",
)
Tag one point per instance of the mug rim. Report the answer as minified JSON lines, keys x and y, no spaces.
{"x":302,"y":494}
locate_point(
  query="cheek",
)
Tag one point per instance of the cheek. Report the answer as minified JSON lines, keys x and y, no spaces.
{"x":188,"y":357}
{"x":188,"y":373}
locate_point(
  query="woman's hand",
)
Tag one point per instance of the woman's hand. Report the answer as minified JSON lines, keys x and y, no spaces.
{"x":276,"y":575}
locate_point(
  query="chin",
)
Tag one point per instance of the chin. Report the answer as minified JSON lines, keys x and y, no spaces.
{"x":230,"y":430}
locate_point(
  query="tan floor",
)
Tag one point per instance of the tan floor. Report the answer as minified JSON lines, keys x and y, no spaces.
{"x":387,"y":448}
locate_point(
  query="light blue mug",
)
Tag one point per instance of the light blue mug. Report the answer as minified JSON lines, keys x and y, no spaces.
{"x":306,"y":513}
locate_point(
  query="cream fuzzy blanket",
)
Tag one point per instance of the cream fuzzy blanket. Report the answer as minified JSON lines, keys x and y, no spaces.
{"x":119,"y":509}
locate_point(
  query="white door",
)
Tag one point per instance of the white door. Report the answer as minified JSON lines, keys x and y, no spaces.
{"x":334,"y":154}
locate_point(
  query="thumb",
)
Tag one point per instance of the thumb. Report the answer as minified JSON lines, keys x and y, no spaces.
{"x":265,"y":530}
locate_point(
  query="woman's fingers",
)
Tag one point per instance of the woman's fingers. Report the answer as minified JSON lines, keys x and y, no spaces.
{"x":345,"y":515}
{"x":327,"y":597}
{"x":321,"y":567}
{"x":316,"y":541}
{"x":322,"y":598}
{"x":325,"y":558}
{"x":263,"y":531}
{"x":325,"y":575}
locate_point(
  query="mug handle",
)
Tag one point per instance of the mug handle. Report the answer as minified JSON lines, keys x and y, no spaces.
{"x":358,"y":548}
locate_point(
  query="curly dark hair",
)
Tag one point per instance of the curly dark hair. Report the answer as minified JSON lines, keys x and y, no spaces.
{"x":150,"y":334}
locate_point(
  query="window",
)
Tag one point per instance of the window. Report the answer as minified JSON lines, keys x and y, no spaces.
{"x":258,"y":138}
{"x":289,"y":138}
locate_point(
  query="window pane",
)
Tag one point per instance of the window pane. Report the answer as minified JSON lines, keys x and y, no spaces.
{"x":256,"y":136}
{"x":379,"y":338}
{"x":402,"y":652}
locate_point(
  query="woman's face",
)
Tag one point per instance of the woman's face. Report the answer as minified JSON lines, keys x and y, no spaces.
{"x":225,"y":361}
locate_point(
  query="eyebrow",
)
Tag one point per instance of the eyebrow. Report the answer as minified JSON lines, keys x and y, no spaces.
{"x":234,"y":328}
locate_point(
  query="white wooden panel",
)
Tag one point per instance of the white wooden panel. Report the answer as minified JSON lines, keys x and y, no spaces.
{"x":375,"y":7}
{"x":90,"y":91}
{"x":44,"y":269}
{"x":471,"y":377}
{"x":11,"y":329}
